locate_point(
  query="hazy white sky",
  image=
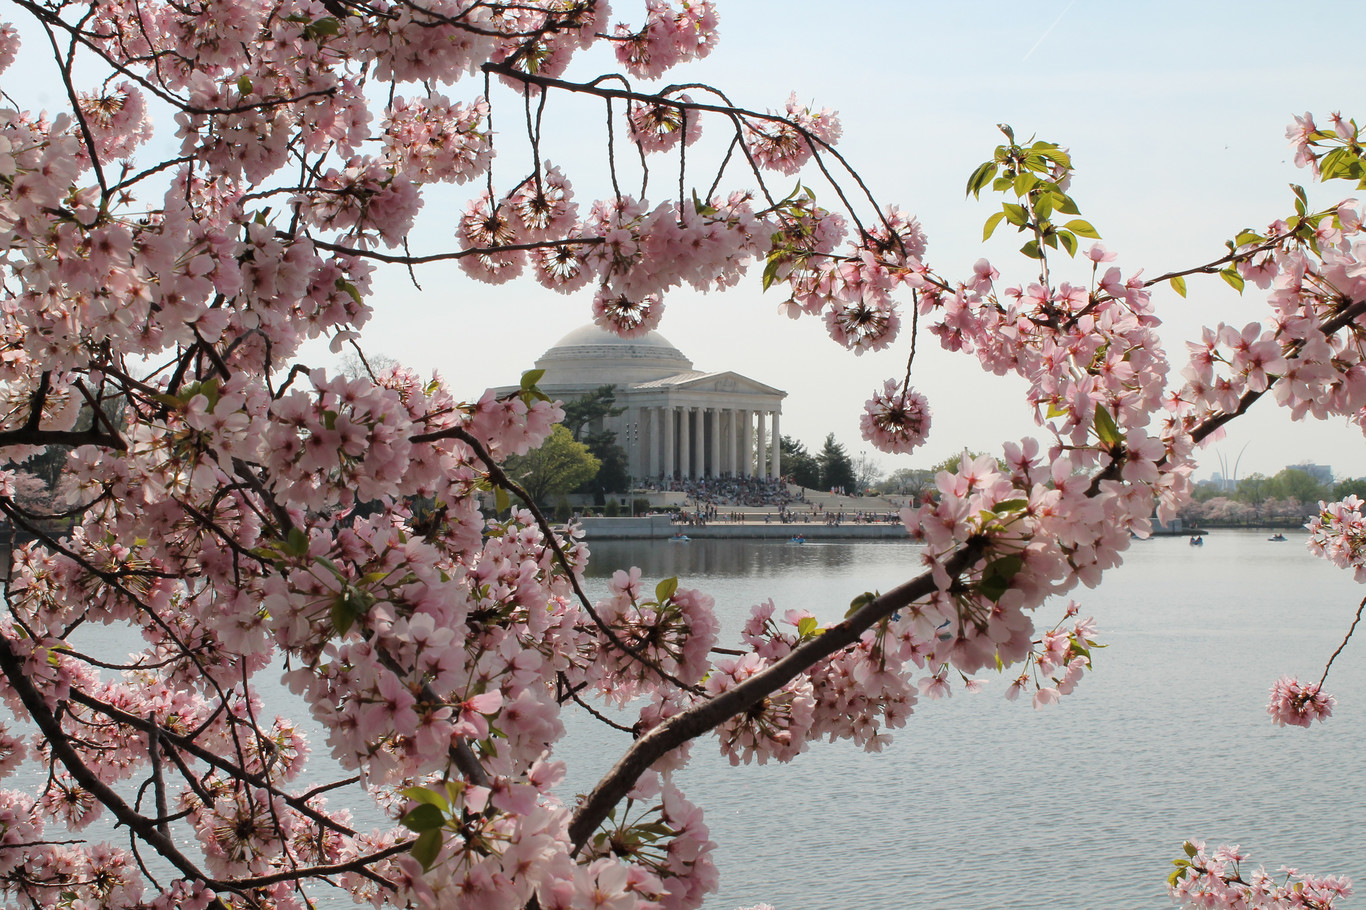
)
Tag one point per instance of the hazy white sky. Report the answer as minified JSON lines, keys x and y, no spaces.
{"x":1174,"y":112}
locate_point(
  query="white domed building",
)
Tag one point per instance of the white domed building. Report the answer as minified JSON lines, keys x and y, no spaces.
{"x":678,"y":422}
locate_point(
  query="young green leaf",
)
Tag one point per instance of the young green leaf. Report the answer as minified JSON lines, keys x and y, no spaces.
{"x":426,"y":797}
{"x":1234,"y":280}
{"x":424,"y":817}
{"x":858,"y":603}
{"x":807,"y":626}
{"x":1106,"y":430}
{"x":980,"y":177}
{"x":1179,"y":285}
{"x":1082,"y":229}
{"x":1069,"y":242}
{"x":990,"y":227}
{"x":426,"y":847}
{"x":666,"y":588}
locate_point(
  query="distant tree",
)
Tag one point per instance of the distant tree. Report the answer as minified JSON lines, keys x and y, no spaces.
{"x":1298,"y":485}
{"x":916,"y":482}
{"x":581,"y":414}
{"x":557,"y":467}
{"x":868,"y":472}
{"x":952,"y":463}
{"x":614,"y":473}
{"x":354,"y":367}
{"x":799,"y":464}
{"x":584,"y":417}
{"x":1254,"y":490}
{"x":837,"y":468}
{"x":1353,"y":486}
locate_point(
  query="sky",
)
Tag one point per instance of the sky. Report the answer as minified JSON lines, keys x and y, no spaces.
{"x":1175,"y":114}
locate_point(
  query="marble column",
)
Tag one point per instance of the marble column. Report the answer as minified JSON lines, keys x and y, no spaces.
{"x":652,"y":437}
{"x":715,"y":421}
{"x":629,"y":439}
{"x":746,"y":445}
{"x":761,"y":436}
{"x":685,"y":442}
{"x":777,"y":449}
{"x":668,"y":415}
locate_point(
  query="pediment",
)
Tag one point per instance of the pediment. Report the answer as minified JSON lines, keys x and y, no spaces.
{"x":728,"y":383}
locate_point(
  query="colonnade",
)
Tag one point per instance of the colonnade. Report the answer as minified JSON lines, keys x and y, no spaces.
{"x":696,"y":441}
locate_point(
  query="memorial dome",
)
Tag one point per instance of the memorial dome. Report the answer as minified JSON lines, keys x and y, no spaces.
{"x":591,"y":356}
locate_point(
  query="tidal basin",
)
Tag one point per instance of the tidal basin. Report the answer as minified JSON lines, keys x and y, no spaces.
{"x":983,"y":803}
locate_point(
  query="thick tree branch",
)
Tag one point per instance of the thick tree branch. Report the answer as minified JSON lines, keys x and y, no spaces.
{"x":705,"y":715}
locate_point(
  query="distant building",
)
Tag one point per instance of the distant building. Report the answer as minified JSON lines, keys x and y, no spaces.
{"x":1320,"y":472}
{"x":678,"y":422}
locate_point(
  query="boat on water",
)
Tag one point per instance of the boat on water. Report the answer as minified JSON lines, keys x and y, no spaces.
{"x":1278,"y":537}
{"x":798,"y":539}
{"x":1197,"y":541}
{"x":680,"y":537}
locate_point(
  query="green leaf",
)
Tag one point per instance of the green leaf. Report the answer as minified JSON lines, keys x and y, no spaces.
{"x":501,"y":503}
{"x":1031,"y":249}
{"x":1106,"y":429}
{"x":1247,"y":237}
{"x":980,"y":177}
{"x":426,"y":847}
{"x":666,"y":588}
{"x":1069,"y":242}
{"x":807,"y":626}
{"x":858,"y":603}
{"x":990,"y":227}
{"x":997,"y":575}
{"x":425,"y":797}
{"x":1023,"y":183}
{"x":1015,"y":214}
{"x":1179,"y":285}
{"x":1235,"y":280}
{"x":1301,"y":198}
{"x":1082,"y":229}
{"x":350,"y":289}
{"x":1190,"y":851}
{"x":1043,"y":206}
{"x":1010,"y":505}
{"x":530,"y":378}
{"x":1067,"y":205}
{"x":423,"y":818}
{"x":343,"y":616}
{"x":296,"y":544}
{"x":771,"y":271}
{"x":1010,"y":133}
{"x":324,"y":26}
{"x":993,"y":586}
{"x":243,"y":84}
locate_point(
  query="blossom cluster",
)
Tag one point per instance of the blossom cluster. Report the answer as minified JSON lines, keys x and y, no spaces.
{"x":1213,"y":879}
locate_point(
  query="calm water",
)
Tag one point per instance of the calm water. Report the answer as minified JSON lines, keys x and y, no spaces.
{"x":983,"y":803}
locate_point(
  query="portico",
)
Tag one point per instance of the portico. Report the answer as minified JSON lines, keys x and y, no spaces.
{"x":678,"y":422}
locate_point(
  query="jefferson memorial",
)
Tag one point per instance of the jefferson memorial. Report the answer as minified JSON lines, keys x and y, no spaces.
{"x":678,"y":422}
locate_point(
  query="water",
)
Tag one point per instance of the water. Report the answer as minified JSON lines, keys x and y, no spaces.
{"x":983,"y":803}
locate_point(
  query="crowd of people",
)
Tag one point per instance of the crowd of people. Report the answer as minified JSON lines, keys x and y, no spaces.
{"x":728,"y":490}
